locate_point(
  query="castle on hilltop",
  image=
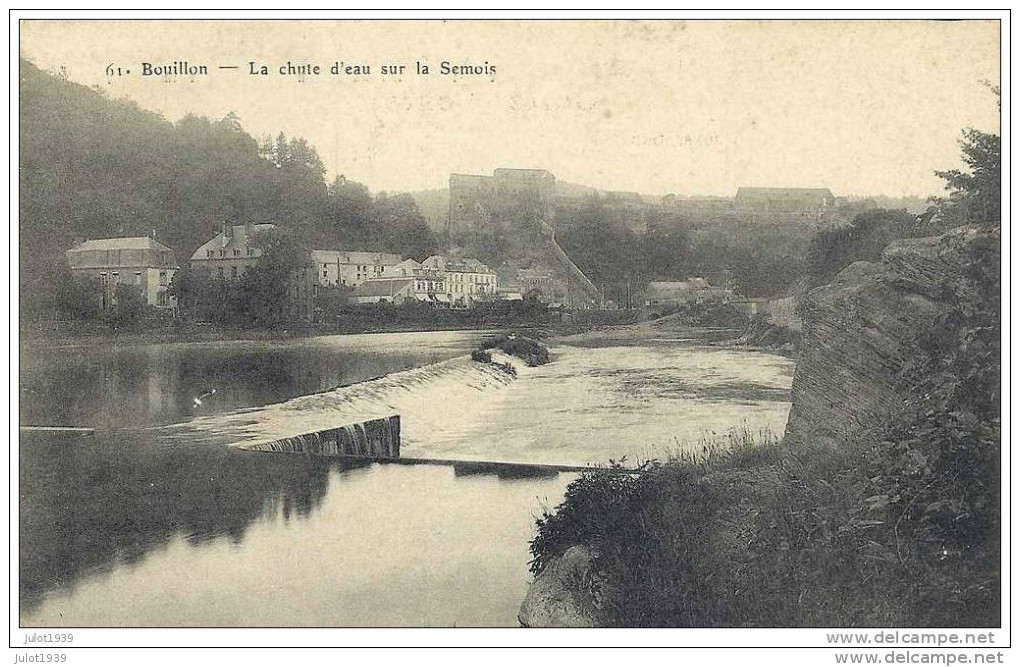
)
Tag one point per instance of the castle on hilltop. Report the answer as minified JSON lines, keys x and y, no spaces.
{"x":513,"y":213}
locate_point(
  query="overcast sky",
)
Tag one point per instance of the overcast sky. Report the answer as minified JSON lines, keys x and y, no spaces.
{"x":656,"y":107}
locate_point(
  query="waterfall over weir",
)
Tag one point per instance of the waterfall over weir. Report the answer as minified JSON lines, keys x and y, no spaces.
{"x":436,"y":403}
{"x":374,"y":438}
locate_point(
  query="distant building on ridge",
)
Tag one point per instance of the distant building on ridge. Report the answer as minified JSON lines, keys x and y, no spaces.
{"x":804,"y":201}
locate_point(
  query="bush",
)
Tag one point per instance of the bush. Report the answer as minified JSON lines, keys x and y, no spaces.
{"x":899,"y":528}
{"x":129,"y":307}
{"x":481,"y":356}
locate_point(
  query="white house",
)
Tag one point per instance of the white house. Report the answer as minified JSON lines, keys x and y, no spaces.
{"x":467,"y":280}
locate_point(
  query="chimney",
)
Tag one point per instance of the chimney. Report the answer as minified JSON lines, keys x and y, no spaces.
{"x":228,"y":230}
{"x":249,"y":229}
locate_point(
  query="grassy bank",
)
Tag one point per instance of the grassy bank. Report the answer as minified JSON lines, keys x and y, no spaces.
{"x":762,"y":536}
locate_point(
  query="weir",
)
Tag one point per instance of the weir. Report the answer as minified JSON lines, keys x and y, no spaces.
{"x":379,"y":440}
{"x":373,"y":438}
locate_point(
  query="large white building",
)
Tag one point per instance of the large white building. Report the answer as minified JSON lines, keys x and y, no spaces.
{"x":467,"y":281}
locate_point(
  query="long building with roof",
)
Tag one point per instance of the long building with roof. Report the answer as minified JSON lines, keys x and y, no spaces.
{"x":350,"y":268}
{"x":140,"y":262}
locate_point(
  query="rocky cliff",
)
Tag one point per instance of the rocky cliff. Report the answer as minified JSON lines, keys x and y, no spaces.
{"x":861,"y":329}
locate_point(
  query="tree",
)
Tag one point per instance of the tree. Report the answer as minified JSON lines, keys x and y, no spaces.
{"x":401,"y":228}
{"x":832,"y":250}
{"x":666,"y":251}
{"x":348,"y":212}
{"x":266,"y":289}
{"x":975,"y":194}
{"x":78,"y":297}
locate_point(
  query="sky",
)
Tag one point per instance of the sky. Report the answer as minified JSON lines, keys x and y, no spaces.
{"x":692,"y":108}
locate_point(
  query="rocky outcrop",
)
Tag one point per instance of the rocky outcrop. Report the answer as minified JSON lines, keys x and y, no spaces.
{"x":861,"y":329}
{"x":564,"y":595}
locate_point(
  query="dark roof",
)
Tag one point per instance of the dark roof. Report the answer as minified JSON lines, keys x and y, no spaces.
{"x":137,"y":252}
{"x":381,"y":287}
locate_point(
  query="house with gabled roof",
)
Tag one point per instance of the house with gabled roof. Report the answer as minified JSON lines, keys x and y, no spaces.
{"x":231,"y":252}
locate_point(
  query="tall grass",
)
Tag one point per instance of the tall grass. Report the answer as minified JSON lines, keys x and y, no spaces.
{"x":741,"y":531}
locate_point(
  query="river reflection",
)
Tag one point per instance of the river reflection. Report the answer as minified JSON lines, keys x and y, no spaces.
{"x":118,"y":532}
{"x":90,"y":504}
{"x":136,"y":385}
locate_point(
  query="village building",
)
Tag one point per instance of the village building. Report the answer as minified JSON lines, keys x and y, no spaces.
{"x":542,"y":285}
{"x":384,"y":290}
{"x":237,"y":248}
{"x":685,"y":292}
{"x":231,"y":252}
{"x":467,"y":281}
{"x":401,"y":290}
{"x":408,"y":280}
{"x":350,"y":268}
{"x":140,"y":262}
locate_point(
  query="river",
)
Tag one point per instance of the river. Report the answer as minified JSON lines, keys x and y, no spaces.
{"x":158,"y":521}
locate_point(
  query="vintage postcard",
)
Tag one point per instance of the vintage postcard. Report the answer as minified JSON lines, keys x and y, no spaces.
{"x":489,"y":323}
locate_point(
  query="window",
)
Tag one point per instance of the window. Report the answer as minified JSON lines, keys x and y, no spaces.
{"x":162,"y":277}
{"x":223,"y":253}
{"x":209,"y":253}
{"x":250,"y":252}
{"x":138,"y":277}
{"x":325,"y":273}
{"x":102,"y":278}
{"x":236,"y":252}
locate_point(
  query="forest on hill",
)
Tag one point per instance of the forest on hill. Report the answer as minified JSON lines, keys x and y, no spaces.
{"x":94,"y":167}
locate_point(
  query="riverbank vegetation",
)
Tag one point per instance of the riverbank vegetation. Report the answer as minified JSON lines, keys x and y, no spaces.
{"x":899,"y":527}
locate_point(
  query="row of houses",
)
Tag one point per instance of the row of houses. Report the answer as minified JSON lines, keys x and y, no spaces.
{"x":361,"y":276}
